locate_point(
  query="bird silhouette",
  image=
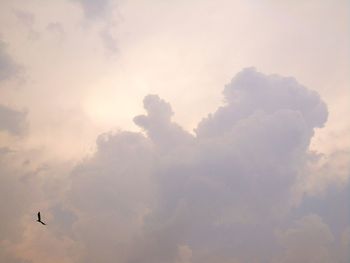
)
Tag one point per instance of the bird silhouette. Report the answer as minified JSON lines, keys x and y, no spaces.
{"x":39,"y":219}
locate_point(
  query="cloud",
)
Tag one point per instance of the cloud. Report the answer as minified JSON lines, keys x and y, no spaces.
{"x":251,"y":91}
{"x":345,"y":243}
{"x":101,"y":12}
{"x":56,"y":29}
{"x":27,"y":19}
{"x":8,"y":68}
{"x":108,"y":40}
{"x":12,"y":121}
{"x":218,"y":196}
{"x":108,"y":192}
{"x":325,"y":170}
{"x":94,"y":8}
{"x":17,"y":193}
{"x":308,"y":241}
{"x":27,"y":186}
{"x":158,"y":126}
{"x":223,"y":194}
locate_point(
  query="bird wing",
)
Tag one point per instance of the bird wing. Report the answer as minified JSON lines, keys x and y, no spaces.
{"x":39,"y":217}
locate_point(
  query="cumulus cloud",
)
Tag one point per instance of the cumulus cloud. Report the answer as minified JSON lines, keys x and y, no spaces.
{"x":308,"y":241}
{"x":158,"y":126}
{"x":324,"y":170}
{"x":251,"y":91}
{"x":112,"y":190}
{"x":223,"y":195}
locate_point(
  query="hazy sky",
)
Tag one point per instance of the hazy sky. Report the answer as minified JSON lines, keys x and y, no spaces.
{"x":175,"y":131}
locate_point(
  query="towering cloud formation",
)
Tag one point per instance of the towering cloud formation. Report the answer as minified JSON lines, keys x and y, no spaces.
{"x":251,"y":92}
{"x":223,"y":195}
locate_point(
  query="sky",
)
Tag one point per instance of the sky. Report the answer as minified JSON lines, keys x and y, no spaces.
{"x":175,"y":131}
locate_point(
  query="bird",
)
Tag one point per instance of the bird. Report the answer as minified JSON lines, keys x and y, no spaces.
{"x":39,"y":219}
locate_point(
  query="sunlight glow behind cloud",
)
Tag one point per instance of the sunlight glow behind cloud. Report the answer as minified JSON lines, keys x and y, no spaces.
{"x":121,"y":122}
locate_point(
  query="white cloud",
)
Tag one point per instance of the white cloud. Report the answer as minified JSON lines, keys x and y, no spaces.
{"x":251,"y":91}
{"x":216,"y":196}
{"x":213,"y":196}
{"x":158,"y":126}
{"x":168,"y":196}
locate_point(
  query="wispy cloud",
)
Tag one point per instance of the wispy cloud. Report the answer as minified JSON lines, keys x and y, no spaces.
{"x":8,"y":68}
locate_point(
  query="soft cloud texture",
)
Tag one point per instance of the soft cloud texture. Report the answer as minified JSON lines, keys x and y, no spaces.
{"x":27,"y":19}
{"x":262,"y":178}
{"x":18,"y":190}
{"x":308,"y":241}
{"x":250,"y":92}
{"x":12,"y":121}
{"x":100,"y":11}
{"x":94,"y":8}
{"x":214,"y":197}
{"x":8,"y":68}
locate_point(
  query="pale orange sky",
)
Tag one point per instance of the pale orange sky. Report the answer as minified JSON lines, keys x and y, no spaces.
{"x":229,"y":177}
{"x":75,"y":88}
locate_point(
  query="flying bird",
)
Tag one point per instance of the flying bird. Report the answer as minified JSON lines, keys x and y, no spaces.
{"x":39,"y":219}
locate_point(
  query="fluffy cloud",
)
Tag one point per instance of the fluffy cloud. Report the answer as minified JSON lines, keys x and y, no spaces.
{"x":251,"y":91}
{"x":324,"y":170}
{"x":308,"y":241}
{"x":157,"y":123}
{"x":111,"y":190}
{"x":225,"y":194}
{"x":218,"y":196}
